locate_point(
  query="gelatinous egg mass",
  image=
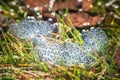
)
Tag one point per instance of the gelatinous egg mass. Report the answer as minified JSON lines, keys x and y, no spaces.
{"x":30,"y":28}
{"x":95,"y":37}
{"x":55,"y":52}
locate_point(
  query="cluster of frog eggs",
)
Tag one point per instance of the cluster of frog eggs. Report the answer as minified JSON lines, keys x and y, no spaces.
{"x":67,"y":53}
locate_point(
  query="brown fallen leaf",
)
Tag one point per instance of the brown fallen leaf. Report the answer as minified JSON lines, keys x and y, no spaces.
{"x":72,"y":4}
{"x":63,"y":4}
{"x":87,"y":4}
{"x":31,"y":4}
{"x":79,"y":19}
